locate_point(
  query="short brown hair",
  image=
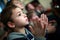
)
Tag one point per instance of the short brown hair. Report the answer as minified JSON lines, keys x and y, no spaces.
{"x":6,"y":14}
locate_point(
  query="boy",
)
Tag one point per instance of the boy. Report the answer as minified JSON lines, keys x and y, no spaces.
{"x":15,"y":21}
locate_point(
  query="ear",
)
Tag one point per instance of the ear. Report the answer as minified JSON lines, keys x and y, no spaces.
{"x":11,"y":24}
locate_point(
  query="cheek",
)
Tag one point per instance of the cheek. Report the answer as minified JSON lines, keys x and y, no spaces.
{"x":20,"y":21}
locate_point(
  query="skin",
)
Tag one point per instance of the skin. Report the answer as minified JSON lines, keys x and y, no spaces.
{"x":18,"y":3}
{"x":39,"y":25}
{"x":30,"y":7}
{"x":20,"y":20}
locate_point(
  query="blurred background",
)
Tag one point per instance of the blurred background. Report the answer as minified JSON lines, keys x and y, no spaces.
{"x":45,"y":3}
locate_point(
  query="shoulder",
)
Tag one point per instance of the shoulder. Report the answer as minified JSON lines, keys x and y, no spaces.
{"x":15,"y":35}
{"x":20,"y":39}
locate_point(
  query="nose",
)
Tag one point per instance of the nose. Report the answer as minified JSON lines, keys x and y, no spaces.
{"x":24,"y":15}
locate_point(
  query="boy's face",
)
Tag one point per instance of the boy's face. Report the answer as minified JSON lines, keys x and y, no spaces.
{"x":19,"y":18}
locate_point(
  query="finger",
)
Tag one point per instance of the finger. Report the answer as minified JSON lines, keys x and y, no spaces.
{"x":46,"y":18}
{"x":39,"y":23}
{"x":35,"y":23}
{"x":42,"y":20}
{"x":42,"y":23}
{"x":42,"y":16}
{"x":31,"y":29}
{"x":46,"y":21}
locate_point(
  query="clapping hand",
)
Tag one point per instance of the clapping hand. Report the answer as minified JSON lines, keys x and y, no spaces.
{"x":40,"y":25}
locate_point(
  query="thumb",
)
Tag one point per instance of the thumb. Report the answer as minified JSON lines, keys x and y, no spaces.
{"x":31,"y":29}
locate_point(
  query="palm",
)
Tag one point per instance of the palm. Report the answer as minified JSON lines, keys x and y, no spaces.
{"x":40,"y":25}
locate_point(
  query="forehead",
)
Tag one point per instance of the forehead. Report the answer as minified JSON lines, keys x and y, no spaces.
{"x":16,"y":10}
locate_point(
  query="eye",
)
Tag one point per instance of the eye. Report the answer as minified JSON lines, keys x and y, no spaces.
{"x":21,"y":9}
{"x":19,"y":14}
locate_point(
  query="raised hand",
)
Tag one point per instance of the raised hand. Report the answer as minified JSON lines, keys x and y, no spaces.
{"x":40,"y":25}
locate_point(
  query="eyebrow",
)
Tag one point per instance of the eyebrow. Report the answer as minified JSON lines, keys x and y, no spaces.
{"x":20,"y":8}
{"x":18,"y":12}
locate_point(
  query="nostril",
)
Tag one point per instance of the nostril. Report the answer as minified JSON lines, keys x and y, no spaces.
{"x":25,"y":16}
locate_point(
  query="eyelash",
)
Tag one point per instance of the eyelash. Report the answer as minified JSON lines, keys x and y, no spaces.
{"x":19,"y":15}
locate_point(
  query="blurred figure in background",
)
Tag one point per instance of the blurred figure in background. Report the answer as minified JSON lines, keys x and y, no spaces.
{"x":3,"y":33}
{"x":39,"y":9}
{"x":55,"y":15}
{"x":15,"y":2}
{"x":29,"y":7}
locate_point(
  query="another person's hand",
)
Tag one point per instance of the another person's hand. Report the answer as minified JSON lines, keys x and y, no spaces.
{"x":40,"y":25}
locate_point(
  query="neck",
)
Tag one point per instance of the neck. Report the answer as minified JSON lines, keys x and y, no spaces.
{"x":21,"y":30}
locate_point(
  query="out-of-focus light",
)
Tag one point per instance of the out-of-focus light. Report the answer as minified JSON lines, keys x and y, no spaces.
{"x":57,"y":6}
{"x":0,"y":9}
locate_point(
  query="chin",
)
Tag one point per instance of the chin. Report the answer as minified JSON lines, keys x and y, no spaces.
{"x":27,"y":23}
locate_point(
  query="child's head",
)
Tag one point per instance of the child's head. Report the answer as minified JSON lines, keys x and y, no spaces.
{"x":13,"y":17}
